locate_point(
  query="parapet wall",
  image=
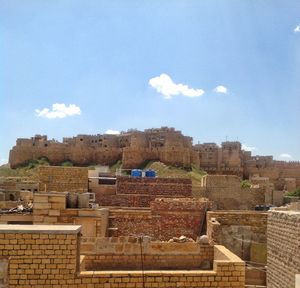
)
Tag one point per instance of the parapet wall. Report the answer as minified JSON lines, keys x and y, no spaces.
{"x":124,"y":253}
{"x":283,"y":248}
{"x":63,"y":179}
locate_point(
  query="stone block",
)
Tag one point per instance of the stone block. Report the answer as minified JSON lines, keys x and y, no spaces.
{"x":54,"y":212}
{"x":58,"y":206}
{"x":90,"y":213}
{"x":41,"y":205}
{"x":40,"y":198}
{"x":57,"y":199}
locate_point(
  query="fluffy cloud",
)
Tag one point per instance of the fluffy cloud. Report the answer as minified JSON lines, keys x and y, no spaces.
{"x":112,"y":132}
{"x":297,"y":29}
{"x":221,"y":89}
{"x":248,"y":148}
{"x":58,"y":111}
{"x":3,"y":161}
{"x":285,"y":155}
{"x":164,"y":84}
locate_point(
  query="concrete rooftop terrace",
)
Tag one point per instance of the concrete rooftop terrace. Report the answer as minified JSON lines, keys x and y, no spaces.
{"x":39,"y":229}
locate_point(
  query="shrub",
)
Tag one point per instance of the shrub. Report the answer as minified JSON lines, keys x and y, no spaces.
{"x":295,"y":193}
{"x":245,"y":184}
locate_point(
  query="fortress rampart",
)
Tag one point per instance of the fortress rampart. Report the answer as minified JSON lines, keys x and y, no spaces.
{"x":133,"y":148}
{"x":164,"y":144}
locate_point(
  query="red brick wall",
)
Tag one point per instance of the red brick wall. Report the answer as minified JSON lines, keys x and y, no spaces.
{"x":140,"y":192}
{"x":154,"y":186}
{"x":167,"y":218}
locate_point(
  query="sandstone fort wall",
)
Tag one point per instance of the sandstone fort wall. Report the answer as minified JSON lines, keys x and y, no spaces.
{"x":134,"y":148}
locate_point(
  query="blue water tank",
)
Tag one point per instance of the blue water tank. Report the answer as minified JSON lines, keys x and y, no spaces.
{"x":150,"y":173}
{"x":136,"y":173}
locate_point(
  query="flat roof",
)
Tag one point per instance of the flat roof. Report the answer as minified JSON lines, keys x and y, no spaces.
{"x":40,"y":229}
{"x":287,"y":212}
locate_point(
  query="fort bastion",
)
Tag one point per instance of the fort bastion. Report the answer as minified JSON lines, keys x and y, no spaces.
{"x":164,"y":144}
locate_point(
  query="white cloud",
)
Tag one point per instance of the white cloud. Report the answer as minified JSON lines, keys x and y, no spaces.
{"x":3,"y":161}
{"x":164,"y":84}
{"x":112,"y":132}
{"x":297,"y":29}
{"x":248,"y":148}
{"x":221,"y":89}
{"x":285,"y":155}
{"x":58,"y":111}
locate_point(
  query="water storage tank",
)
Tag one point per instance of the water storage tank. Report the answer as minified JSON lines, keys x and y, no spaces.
{"x":83,"y":200}
{"x":150,"y":173}
{"x":136,"y":173}
{"x":72,"y":200}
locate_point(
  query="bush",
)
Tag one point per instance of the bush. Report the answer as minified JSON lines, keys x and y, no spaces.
{"x":245,"y":184}
{"x":67,"y":164}
{"x":295,"y":193}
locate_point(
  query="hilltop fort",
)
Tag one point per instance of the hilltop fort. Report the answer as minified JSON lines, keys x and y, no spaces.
{"x":163,"y":144}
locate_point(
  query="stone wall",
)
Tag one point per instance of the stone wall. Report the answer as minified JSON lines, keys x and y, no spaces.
{"x":133,"y":148}
{"x":17,"y":184}
{"x":164,"y":219}
{"x":154,"y":186}
{"x":3,"y":272}
{"x":63,"y":179}
{"x":167,"y":145}
{"x":167,"y":218}
{"x":141,"y":191}
{"x":40,"y":255}
{"x":283,"y":248}
{"x":48,"y":256}
{"x":242,"y":232}
{"x":227,"y":194}
{"x":133,"y":253}
{"x":275,"y":171}
{"x":51,"y":208}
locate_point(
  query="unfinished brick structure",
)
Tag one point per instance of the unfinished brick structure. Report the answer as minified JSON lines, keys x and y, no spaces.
{"x":283,"y":248}
{"x":140,"y":191}
{"x":49,"y":256}
{"x":167,"y":217}
{"x":164,"y":219}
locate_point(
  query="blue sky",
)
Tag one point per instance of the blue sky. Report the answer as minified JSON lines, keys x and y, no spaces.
{"x":216,"y":70}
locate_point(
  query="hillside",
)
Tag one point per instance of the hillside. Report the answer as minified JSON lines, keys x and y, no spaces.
{"x":162,"y":170}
